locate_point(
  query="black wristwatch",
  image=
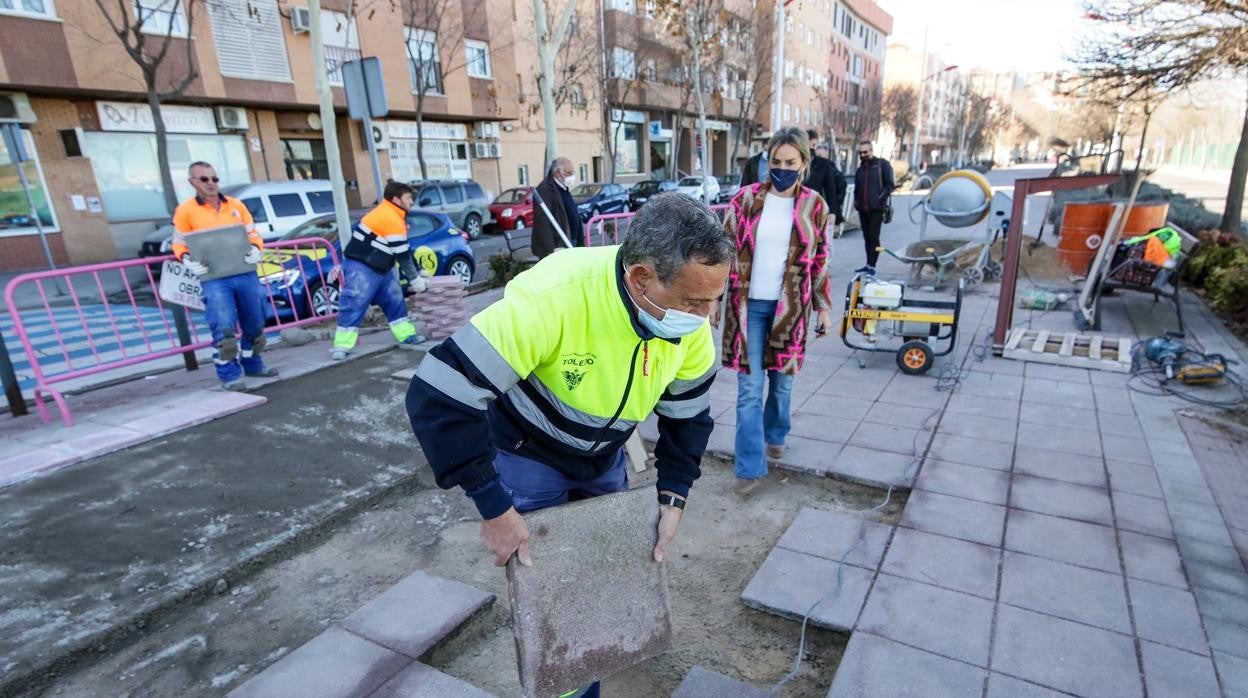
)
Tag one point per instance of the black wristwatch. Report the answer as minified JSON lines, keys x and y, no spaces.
{"x":671,"y":500}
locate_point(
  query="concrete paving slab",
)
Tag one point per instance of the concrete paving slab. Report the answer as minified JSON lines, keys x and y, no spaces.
{"x":1126,"y":448}
{"x":1077,"y":442}
{"x":1171,"y":673}
{"x":1065,"y":540}
{"x":1227,"y":636}
{"x":568,"y":633}
{"x":1234,"y":673}
{"x":421,"y":681}
{"x":1063,"y":417}
{"x":903,"y":416}
{"x":1057,"y":588}
{"x":873,"y":467}
{"x":949,"y":623}
{"x":1064,"y":655}
{"x":1186,"y":508}
{"x":837,"y":536}
{"x":789,"y":584}
{"x":858,"y":389}
{"x":1206,"y":553}
{"x":1127,"y":426}
{"x":969,"y":520}
{"x":852,"y":408}
{"x":913,"y":394}
{"x":1219,"y":604}
{"x":1142,"y":515}
{"x":945,"y":562}
{"x":1218,"y":578}
{"x":883,"y":437}
{"x":1167,"y":615}
{"x":822,"y":428}
{"x":966,"y":481}
{"x":1067,"y":467}
{"x":875,"y":667}
{"x":1133,"y":478}
{"x":1114,"y":400}
{"x":1069,"y":374}
{"x":704,"y":683}
{"x":993,"y":385}
{"x":415,"y":614}
{"x":980,"y":406}
{"x":31,"y":461}
{"x":1002,"y":686}
{"x":1061,"y":499}
{"x":1215,"y":533}
{"x":334,"y":664}
{"x":987,"y":428}
{"x":1056,"y":392}
{"x":1152,"y":559}
{"x":1185,"y":487}
{"x":968,"y":451}
{"x":803,"y":454}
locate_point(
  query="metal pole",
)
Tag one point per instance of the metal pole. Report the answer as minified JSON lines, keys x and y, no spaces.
{"x":778,"y":79}
{"x":372,"y":153}
{"x":12,"y":389}
{"x":918,"y":117}
{"x":329,"y":129}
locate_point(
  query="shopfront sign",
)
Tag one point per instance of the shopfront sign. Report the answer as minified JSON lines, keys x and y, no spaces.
{"x":658,"y":133}
{"x":411,"y":130}
{"x":132,"y":116}
{"x":712,"y":125}
{"x":628,"y":117}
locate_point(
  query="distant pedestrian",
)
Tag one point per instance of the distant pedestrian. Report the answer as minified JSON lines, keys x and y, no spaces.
{"x":230,"y":302}
{"x":873,"y":187}
{"x":560,"y":212}
{"x":755,"y":169}
{"x":825,"y":177}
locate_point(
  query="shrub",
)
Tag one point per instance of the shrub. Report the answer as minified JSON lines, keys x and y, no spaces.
{"x":503,"y":269}
{"x":1220,"y":267}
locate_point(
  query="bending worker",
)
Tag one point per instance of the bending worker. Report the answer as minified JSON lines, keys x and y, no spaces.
{"x":230,"y":302}
{"x":377,"y":242}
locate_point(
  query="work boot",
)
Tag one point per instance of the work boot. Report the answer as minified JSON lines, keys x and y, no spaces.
{"x":864,"y":269}
{"x":775,"y":451}
{"x":266,"y":372}
{"x":412,"y":342}
{"x":235,"y":386}
{"x":744,"y":488}
{"x":337,"y":355}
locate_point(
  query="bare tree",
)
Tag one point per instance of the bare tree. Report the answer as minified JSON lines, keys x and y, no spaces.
{"x":755,"y":38}
{"x":627,"y":84}
{"x":549,"y":41}
{"x":699,"y":27}
{"x":900,"y":103}
{"x":147,"y":34}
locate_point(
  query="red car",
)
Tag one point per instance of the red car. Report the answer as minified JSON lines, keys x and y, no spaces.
{"x":513,"y":209}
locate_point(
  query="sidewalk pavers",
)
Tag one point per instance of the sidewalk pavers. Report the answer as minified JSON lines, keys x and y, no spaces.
{"x":704,"y":683}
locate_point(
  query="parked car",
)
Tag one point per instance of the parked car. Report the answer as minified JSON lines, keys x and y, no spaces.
{"x":593,"y":199}
{"x":276,"y":207}
{"x":512,"y":210}
{"x":463,"y":201}
{"x":728,"y":187}
{"x":641,"y":192}
{"x":692,"y":186}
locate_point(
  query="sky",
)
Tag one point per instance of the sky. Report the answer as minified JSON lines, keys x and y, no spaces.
{"x":997,"y":35}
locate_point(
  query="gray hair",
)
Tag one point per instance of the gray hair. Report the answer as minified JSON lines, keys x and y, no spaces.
{"x":673,"y":230}
{"x":198,"y":163}
{"x":559,"y":163}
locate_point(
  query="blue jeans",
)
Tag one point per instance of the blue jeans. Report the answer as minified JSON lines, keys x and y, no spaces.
{"x":758,"y":423}
{"x":363,"y":286}
{"x":231,"y":303}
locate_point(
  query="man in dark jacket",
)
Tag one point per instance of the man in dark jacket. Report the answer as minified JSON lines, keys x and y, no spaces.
{"x":755,"y":169}
{"x":873,"y":185}
{"x":825,"y":177}
{"x":553,"y":190}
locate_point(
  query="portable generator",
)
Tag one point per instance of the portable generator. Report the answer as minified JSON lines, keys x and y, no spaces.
{"x":925,"y":327}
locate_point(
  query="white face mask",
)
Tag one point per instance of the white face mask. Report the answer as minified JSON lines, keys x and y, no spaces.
{"x":569,"y":181}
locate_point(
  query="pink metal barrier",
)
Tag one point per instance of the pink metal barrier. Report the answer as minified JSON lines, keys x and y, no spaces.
{"x":73,"y":326}
{"x":609,"y":224}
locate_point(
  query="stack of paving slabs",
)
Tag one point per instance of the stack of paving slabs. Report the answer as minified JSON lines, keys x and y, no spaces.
{"x":594,"y":602}
{"x":442,"y":308}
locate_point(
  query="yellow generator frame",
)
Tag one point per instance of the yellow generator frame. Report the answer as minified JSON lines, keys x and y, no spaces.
{"x":927,"y":332}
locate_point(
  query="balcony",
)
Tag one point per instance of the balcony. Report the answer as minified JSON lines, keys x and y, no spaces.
{"x":335,"y":56}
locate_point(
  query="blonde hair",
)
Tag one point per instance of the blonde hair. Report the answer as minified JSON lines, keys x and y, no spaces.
{"x":793,"y":136}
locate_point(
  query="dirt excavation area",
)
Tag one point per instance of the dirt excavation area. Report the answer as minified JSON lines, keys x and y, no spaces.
{"x":216,"y":644}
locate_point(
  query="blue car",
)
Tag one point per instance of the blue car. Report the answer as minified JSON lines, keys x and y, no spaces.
{"x":593,"y":199}
{"x":439,"y":248}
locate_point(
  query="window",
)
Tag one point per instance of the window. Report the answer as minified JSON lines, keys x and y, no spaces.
{"x":478,"y":55}
{"x":650,"y":8}
{"x":249,"y":38}
{"x":522,"y":174}
{"x":321,"y":201}
{"x":583,"y":172}
{"x":453,"y":194}
{"x":623,"y":63}
{"x":628,"y":6}
{"x":15,"y":218}
{"x":38,"y":8}
{"x":786,"y":112}
{"x":342,"y":43}
{"x":424,"y":67}
{"x":284,"y":205}
{"x":578,"y":95}
{"x":256,"y":208}
{"x":429,"y":197}
{"x":788,"y":69}
{"x":420,"y":224}
{"x":473,"y":191}
{"x":652,"y":70}
{"x":626,"y":152}
{"x":162,"y":17}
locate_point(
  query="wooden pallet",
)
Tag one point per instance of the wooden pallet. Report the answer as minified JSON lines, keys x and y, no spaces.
{"x":1069,"y":349}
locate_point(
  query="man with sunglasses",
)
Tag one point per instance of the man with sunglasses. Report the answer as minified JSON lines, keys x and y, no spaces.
{"x":873,"y":187}
{"x":232,"y":301}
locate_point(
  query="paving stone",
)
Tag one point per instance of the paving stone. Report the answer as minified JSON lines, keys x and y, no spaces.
{"x":903,"y":416}
{"x":415,"y":614}
{"x":988,"y":428}
{"x":1171,"y":673}
{"x":1126,"y":448}
{"x":994,"y":385}
{"x":883,"y":437}
{"x":1114,"y":401}
{"x":1002,"y":686}
{"x":872,"y":467}
{"x":1219,"y":604}
{"x":1064,"y":417}
{"x":968,"y":451}
{"x":568,"y":633}
{"x":982,"y":406}
{"x":1044,"y":437}
{"x":1069,"y":374}
{"x":1173,"y":451}
{"x":801,"y":453}
{"x":1059,"y":589}
{"x":1067,"y":656}
{"x":1124,"y":425}
{"x":1152,"y":559}
{"x":1210,"y":554}
{"x":938,"y":620}
{"x":942,"y":561}
{"x":1062,"y":499}
{"x":967,"y":481}
{"x":1133,"y":478}
{"x":334,"y":664}
{"x":1142,"y":515}
{"x":704,"y":683}
{"x":836,"y":406}
{"x":954,"y":517}
{"x":875,"y":667}
{"x":1199,"y":511}
{"x":1067,"y":467}
{"x":1053,"y":392}
{"x":1221,"y":579}
{"x":1167,"y":615}
{"x":1234,"y":673}
{"x":1214,"y":533}
{"x":789,"y":584}
{"x":909,"y":394}
{"x":857,"y":389}
{"x":1227,"y":636}
{"x":832,"y":534}
{"x":822,"y":428}
{"x":1066,"y":540}
{"x":421,"y":681}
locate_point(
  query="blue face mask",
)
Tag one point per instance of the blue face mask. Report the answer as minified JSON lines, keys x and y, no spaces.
{"x":674,"y":325}
{"x":781,"y":180}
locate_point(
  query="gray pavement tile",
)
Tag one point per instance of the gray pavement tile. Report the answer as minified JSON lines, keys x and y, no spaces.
{"x":1234,"y":673}
{"x":873,"y":467}
{"x":1190,"y":490}
{"x":1142,"y":515}
{"x":1209,"y":554}
{"x":954,"y":517}
{"x":1002,"y":686}
{"x":1053,"y":392}
{"x":1077,"y":442}
{"x":1165,"y":449}
{"x":1125,"y":425}
{"x":789,"y":584}
{"x":1171,"y":673}
{"x":1167,"y":615}
{"x":1219,"y":604}
{"x":914,"y":394}
{"x":415,"y":614}
{"x":993,"y":385}
{"x":875,"y":667}
{"x":1065,"y":417}
{"x":1221,"y":579}
{"x":1214,"y":533}
{"x":1065,"y":540}
{"x":1062,"y":499}
{"x":803,"y":454}
{"x":1132,"y":478}
{"x":1109,"y":379}
{"x":1067,"y":467}
{"x":864,"y":389}
{"x":982,"y":406}
{"x":882,"y":437}
{"x":1069,"y":374}
{"x":1152,"y":559}
{"x":1199,"y":511}
{"x":334,"y":664}
{"x":938,"y":620}
{"x":1074,"y":593}
{"x":901,"y":416}
{"x":421,"y":681}
{"x":1001,"y":366}
{"x":823,"y":428}
{"x":704,"y":683}
{"x":835,"y":535}
{"x":1227,"y":636}
{"x":988,"y":428}
{"x":1113,"y":400}
{"x":1068,"y":656}
{"x":945,"y":562}
{"x":967,"y":481}
{"x":968,"y":451}
{"x":1126,"y":448}
{"x":835,"y":406}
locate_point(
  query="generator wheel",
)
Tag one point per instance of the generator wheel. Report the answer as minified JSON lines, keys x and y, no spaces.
{"x":972,"y":277}
{"x":914,"y":358}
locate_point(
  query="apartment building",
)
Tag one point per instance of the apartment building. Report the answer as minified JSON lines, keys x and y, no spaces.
{"x":943,"y":91}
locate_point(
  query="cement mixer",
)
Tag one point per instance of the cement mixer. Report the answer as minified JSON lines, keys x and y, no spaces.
{"x":959,"y":199}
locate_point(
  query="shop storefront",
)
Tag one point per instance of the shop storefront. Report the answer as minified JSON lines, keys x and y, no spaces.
{"x":15,"y":216}
{"x":626,"y":136}
{"x":660,"y":139}
{"x":445,"y":150}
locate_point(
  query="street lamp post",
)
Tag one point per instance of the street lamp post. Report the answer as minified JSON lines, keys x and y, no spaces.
{"x":918,"y":117}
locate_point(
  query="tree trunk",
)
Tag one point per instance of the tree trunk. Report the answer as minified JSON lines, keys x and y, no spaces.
{"x":701,"y":127}
{"x":162,"y":143}
{"x":546,"y":59}
{"x":1235,"y":192}
{"x":420,"y":131}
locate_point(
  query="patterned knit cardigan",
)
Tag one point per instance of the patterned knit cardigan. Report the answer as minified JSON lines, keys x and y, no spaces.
{"x":806,"y":285}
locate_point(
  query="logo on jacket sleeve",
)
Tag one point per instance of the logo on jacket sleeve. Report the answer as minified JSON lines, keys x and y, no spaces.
{"x":574,"y":367}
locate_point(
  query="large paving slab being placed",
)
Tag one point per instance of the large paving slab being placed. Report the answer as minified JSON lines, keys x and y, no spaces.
{"x":568,"y":633}
{"x":704,"y":683}
{"x":793,"y":585}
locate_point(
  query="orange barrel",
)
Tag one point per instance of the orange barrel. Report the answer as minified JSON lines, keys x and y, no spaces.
{"x":1084,"y":225}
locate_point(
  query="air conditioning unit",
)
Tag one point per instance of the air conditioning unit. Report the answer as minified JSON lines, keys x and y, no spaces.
{"x":480,"y":151}
{"x":496,"y":150}
{"x":300,"y":20}
{"x":381,"y":136}
{"x":232,"y":118}
{"x":15,"y":108}
{"x":485,"y":129}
